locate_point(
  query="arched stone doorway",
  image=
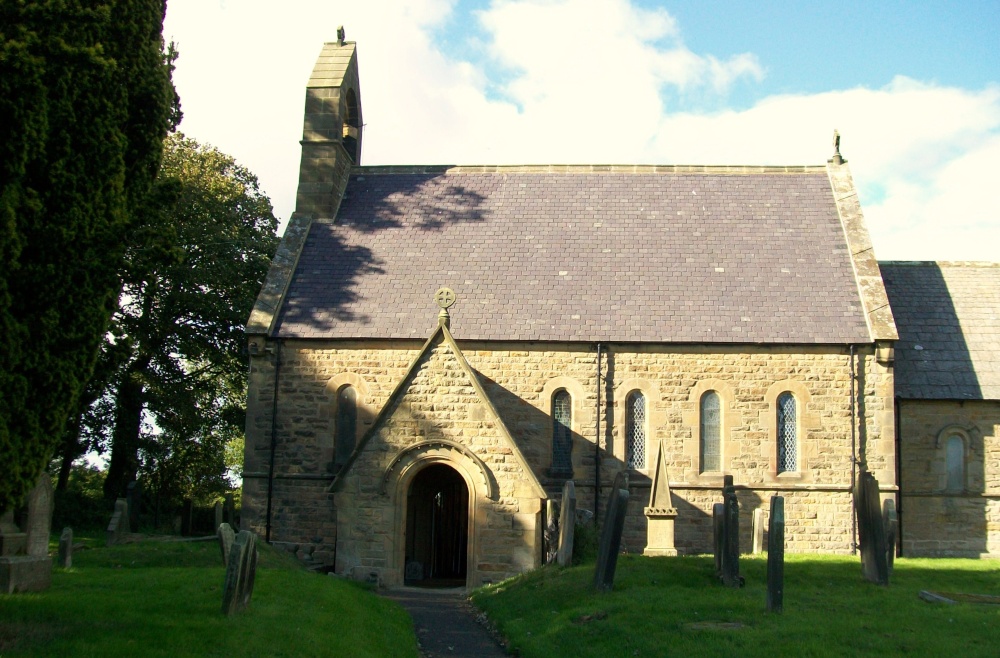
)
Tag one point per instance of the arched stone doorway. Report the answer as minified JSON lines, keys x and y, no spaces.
{"x":437,"y":528}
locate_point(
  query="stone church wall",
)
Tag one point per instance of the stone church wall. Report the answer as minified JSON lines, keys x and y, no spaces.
{"x":939,"y":518}
{"x":520,"y":379}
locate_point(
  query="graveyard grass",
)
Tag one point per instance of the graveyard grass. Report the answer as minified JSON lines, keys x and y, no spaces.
{"x":160,"y":598}
{"x":675,"y":606}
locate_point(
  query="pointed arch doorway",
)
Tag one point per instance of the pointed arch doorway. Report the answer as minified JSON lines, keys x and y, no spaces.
{"x":437,"y":528}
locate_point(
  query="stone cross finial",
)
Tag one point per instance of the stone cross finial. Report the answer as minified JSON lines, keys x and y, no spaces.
{"x":340,"y":35}
{"x":837,"y":158}
{"x":445,"y":298}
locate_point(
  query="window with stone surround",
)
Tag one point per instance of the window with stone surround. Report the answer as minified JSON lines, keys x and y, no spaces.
{"x":954,"y":460}
{"x":345,"y":432}
{"x":787,"y":434}
{"x":635,"y":430}
{"x":562,"y":436}
{"x":710,"y":423}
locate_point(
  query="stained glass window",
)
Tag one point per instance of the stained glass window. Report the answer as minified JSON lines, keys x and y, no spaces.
{"x":345,"y":432}
{"x":787,"y":434}
{"x":635,"y":430}
{"x":562,"y":439}
{"x":711,"y":414}
{"x":955,"y":463}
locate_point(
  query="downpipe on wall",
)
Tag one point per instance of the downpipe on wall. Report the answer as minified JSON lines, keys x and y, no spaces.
{"x":854,"y":452}
{"x":274,"y":441}
{"x":597,"y":441}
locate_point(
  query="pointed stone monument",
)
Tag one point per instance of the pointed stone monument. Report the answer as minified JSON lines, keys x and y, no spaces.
{"x":661,"y":513}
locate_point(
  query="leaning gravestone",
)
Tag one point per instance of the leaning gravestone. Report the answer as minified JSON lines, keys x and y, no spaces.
{"x":240,"y":573}
{"x":871,"y":533}
{"x":891,"y":524}
{"x":757,"y":526}
{"x":551,"y":530}
{"x":218,"y":514}
{"x":25,"y":565}
{"x":731,"y":539}
{"x":226,"y":537}
{"x":567,"y":528}
{"x":718,"y":535}
{"x":118,"y":528}
{"x":776,"y":556}
{"x":611,"y":538}
{"x":39,"y":525}
{"x":66,"y":548}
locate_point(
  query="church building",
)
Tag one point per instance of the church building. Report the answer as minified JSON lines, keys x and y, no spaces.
{"x":437,"y":350}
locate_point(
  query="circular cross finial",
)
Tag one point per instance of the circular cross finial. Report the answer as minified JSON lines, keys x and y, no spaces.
{"x":444,"y":297}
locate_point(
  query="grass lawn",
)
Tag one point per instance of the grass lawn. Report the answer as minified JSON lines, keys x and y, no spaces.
{"x":159,"y":598}
{"x":676,"y":607}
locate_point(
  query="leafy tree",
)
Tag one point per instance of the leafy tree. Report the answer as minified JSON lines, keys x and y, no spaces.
{"x":175,"y":397}
{"x":85,"y":102}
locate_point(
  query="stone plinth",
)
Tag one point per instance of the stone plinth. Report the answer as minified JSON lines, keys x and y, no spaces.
{"x":660,"y":513}
{"x":25,"y":573}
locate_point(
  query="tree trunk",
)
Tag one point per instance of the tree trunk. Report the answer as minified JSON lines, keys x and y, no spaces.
{"x":129,"y":406}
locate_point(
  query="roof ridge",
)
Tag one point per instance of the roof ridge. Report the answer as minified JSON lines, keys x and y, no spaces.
{"x":588,"y":169}
{"x":986,"y":264}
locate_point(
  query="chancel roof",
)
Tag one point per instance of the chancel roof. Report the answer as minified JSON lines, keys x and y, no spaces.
{"x":643,"y":254}
{"x":948,"y":318}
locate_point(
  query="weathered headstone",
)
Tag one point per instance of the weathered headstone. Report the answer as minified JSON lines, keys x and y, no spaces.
{"x":718,"y":535}
{"x":891,"y":524}
{"x":226,"y":537}
{"x":731,"y":540}
{"x":12,"y":540}
{"x":871,"y":532}
{"x":240,"y":573}
{"x":66,"y":548}
{"x":118,"y":528}
{"x":757,"y":526}
{"x":660,"y":513}
{"x":776,"y":555}
{"x":611,"y":537}
{"x":218,"y":514}
{"x":551,"y":530}
{"x":567,"y":530}
{"x":133,"y":496}
{"x":39,"y":524}
{"x":229,"y":511}
{"x":186,"y":517}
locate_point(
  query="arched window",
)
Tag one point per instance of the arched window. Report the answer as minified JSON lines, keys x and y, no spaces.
{"x":345,"y":431}
{"x":711,"y":417}
{"x":635,"y":430}
{"x":787,"y":434}
{"x":954,"y":459}
{"x":562,"y":438}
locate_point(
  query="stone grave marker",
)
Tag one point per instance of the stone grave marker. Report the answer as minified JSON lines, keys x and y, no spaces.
{"x":186,"y":513}
{"x":226,"y":537}
{"x":611,"y":537}
{"x":890,"y":521}
{"x":240,"y":573}
{"x":218,"y":514}
{"x":133,"y":496}
{"x":551,"y":530}
{"x":567,"y":529}
{"x":758,"y":531}
{"x":776,"y":556}
{"x":718,"y":535}
{"x":12,"y":540}
{"x":118,"y":528}
{"x":731,"y":540}
{"x":871,"y":532}
{"x":229,"y":511}
{"x":39,"y":524}
{"x":66,"y":548}
{"x":660,"y":513}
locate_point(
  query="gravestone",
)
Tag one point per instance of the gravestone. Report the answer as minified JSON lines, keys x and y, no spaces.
{"x":758,"y":531}
{"x":229,"y":511}
{"x":776,"y":555}
{"x":551,"y":530}
{"x":891,"y":524}
{"x":660,"y":513}
{"x":871,"y":532}
{"x":39,"y":524}
{"x":226,"y":537}
{"x":186,"y":513}
{"x":118,"y":528}
{"x":66,"y":548}
{"x":731,"y":539}
{"x":240,"y":573}
{"x":718,"y":535}
{"x":611,"y":536}
{"x":133,"y":496}
{"x":12,"y":540}
{"x":218,"y":514}
{"x":567,"y":529}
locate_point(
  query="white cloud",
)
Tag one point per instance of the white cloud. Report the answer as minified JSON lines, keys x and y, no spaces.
{"x":583,"y":82}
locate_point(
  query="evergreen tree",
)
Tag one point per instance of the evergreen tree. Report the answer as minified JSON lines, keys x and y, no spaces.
{"x":85,"y":102}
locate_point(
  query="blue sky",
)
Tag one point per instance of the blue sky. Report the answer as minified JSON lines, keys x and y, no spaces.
{"x":913,"y":87}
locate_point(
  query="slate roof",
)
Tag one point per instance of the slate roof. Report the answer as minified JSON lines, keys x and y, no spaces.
{"x":948,"y":317}
{"x":651,"y":254}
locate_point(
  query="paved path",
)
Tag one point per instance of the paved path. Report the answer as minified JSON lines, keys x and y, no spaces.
{"x":445,"y":623}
